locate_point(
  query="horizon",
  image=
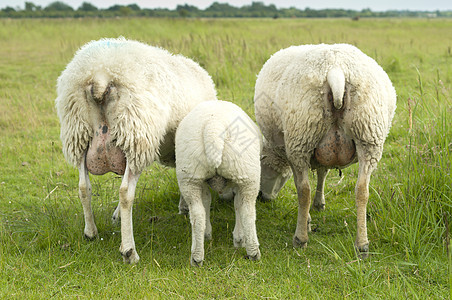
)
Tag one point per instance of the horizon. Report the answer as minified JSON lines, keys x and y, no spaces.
{"x":355,"y":5}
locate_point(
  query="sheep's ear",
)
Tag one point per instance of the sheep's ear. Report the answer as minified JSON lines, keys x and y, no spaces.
{"x":263,"y":157}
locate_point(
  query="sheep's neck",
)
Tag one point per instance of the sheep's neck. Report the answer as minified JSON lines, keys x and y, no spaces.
{"x":103,"y":155}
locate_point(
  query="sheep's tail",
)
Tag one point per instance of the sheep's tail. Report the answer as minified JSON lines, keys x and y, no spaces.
{"x":100,"y":87}
{"x":336,"y":81}
{"x":214,"y":135}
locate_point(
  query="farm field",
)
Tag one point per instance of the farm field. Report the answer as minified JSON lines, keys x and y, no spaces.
{"x":43,"y":253}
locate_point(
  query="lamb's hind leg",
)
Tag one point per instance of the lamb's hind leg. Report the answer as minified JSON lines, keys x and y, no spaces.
{"x":193,"y":195}
{"x":126,"y":197}
{"x":206,"y":201}
{"x":245,"y":229}
{"x":319,"y":199}
{"x":368,"y":158}
{"x":85,"y":197}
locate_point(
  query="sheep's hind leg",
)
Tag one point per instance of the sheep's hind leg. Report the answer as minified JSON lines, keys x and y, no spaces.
{"x":301,"y":178}
{"x":237,"y":234}
{"x":85,"y":197}
{"x":193,"y":195}
{"x":183,"y":207}
{"x":245,"y":229}
{"x":319,"y":198}
{"x":207,"y":200}
{"x":126,"y":197}
{"x":368,"y":159}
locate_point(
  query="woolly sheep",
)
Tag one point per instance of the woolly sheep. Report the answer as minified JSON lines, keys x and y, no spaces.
{"x":322,"y":107}
{"x":218,"y":145}
{"x":119,"y":103}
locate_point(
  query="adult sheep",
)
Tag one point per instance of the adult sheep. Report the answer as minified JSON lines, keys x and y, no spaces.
{"x":119,"y":103}
{"x":218,"y":145}
{"x":322,"y":107}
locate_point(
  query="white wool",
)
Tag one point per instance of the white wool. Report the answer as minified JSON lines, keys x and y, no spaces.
{"x":291,"y":87}
{"x":218,"y":144}
{"x":155,"y":90}
{"x":293,"y":97}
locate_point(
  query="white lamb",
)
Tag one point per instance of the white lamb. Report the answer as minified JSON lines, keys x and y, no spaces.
{"x":322,"y":107}
{"x":119,"y":104}
{"x":218,"y":145}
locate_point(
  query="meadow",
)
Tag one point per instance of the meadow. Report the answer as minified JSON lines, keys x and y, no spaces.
{"x":43,"y":253}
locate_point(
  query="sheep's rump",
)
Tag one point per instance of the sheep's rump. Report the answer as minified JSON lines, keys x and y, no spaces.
{"x":218,"y":138}
{"x":298,"y":97}
{"x":141,"y":92}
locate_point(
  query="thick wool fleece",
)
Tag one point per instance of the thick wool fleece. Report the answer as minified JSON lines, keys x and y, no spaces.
{"x":218,"y":138}
{"x":153,"y":91}
{"x":292,"y":89}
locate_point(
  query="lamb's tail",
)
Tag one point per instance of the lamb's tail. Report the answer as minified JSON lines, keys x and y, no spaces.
{"x":336,"y":81}
{"x":214,"y":135}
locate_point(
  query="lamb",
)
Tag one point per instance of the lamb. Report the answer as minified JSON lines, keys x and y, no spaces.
{"x":218,"y":145}
{"x":119,"y":103}
{"x":322,"y":107}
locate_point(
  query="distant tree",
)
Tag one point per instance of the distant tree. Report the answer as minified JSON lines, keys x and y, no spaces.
{"x":125,"y":11}
{"x":86,"y":6}
{"x":183,"y":13}
{"x":58,"y":6}
{"x":221,"y":7}
{"x":30,"y":6}
{"x":8,"y":9}
{"x":114,"y":8}
{"x":134,"y":7}
{"x":189,"y":8}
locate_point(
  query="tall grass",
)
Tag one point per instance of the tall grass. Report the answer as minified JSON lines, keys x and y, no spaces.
{"x":42,"y":250}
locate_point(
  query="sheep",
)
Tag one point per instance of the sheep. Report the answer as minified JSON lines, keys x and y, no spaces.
{"x":322,"y":107}
{"x":119,"y":103}
{"x":218,"y":145}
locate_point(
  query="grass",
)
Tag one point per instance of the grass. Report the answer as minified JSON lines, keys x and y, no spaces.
{"x":43,"y":253}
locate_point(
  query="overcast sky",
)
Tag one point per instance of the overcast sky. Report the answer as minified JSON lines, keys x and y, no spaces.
{"x":375,"y":5}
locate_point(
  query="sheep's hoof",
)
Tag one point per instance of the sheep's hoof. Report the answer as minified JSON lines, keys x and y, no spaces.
{"x":263,"y":198}
{"x":255,"y":257}
{"x":184,"y":211}
{"x":115,"y":219}
{"x":363,"y":251}
{"x":91,"y":235}
{"x":319,"y":206}
{"x":196,"y":263}
{"x":238,"y":243}
{"x":130,"y":256}
{"x":297,"y":243}
{"x":90,"y":238}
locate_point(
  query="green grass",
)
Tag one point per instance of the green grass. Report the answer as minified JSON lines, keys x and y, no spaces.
{"x":43,"y":253}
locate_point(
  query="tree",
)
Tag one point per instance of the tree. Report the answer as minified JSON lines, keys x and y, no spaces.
{"x":134,"y":7}
{"x":58,"y":6}
{"x":8,"y":9}
{"x":189,"y":8}
{"x":30,"y":6}
{"x":125,"y":11}
{"x":87,"y":7}
{"x":183,"y":13}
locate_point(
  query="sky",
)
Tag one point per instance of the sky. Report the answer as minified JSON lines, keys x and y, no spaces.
{"x":379,"y":5}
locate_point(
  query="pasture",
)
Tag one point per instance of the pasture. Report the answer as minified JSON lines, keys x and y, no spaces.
{"x":43,"y":252}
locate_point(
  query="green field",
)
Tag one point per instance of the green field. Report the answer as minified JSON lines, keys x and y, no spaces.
{"x":44,"y":254}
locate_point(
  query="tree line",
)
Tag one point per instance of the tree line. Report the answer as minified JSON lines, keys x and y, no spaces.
{"x":60,"y":9}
